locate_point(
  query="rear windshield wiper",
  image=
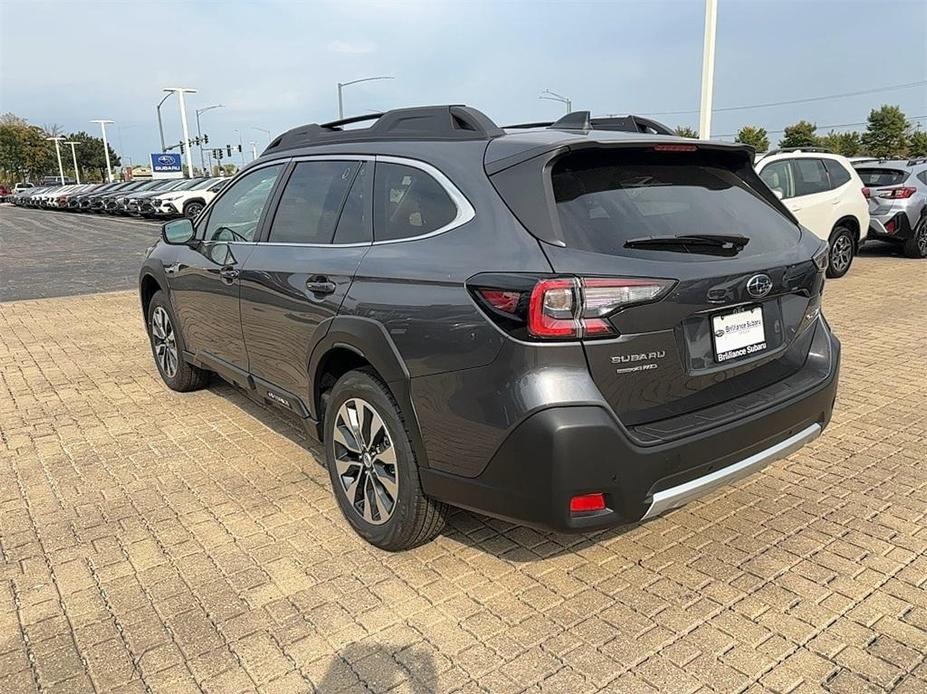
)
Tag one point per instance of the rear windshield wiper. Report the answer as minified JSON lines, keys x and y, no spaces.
{"x":707,"y":244}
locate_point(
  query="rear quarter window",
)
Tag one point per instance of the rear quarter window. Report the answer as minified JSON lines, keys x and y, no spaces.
{"x":604,"y":199}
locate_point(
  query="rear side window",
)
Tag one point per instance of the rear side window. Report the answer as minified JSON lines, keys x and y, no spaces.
{"x":778,"y":176}
{"x":607,"y":198}
{"x":408,"y":202}
{"x":882,"y":177}
{"x":311,"y":201}
{"x":838,"y":175}
{"x":810,"y":176}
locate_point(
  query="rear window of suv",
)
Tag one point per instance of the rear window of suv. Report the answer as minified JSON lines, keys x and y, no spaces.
{"x":607,"y":198}
{"x":882,"y":177}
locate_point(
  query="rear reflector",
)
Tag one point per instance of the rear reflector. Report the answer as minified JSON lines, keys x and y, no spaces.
{"x":587,"y":502}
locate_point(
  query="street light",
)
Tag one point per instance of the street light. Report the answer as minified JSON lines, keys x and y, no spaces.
{"x":342,"y":85}
{"x":74,"y":157}
{"x":263,"y":130}
{"x":109,"y":169}
{"x":253,"y":150}
{"x":548,"y":95}
{"x":199,"y":133}
{"x":160,"y":124}
{"x":180,"y":91}
{"x":708,"y":69}
{"x":56,"y":140}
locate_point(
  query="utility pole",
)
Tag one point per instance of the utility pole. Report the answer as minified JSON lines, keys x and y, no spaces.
{"x":180,"y":91}
{"x":74,"y":158}
{"x":708,"y":69}
{"x":554,"y":96}
{"x":56,"y":140}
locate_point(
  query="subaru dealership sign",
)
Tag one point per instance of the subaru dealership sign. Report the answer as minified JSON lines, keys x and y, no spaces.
{"x":166,"y":165}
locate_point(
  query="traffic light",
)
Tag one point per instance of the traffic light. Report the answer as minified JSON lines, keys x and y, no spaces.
{"x":181,"y":147}
{"x":228,"y":148}
{"x":205,"y":139}
{"x":239,"y":148}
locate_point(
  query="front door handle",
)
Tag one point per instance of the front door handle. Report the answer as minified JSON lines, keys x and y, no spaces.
{"x":228,"y":274}
{"x":320,"y":285}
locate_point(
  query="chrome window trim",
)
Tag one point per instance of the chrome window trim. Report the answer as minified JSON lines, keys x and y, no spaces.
{"x":465,"y":211}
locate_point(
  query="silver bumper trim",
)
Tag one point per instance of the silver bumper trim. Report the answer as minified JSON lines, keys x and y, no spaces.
{"x":684,"y":493}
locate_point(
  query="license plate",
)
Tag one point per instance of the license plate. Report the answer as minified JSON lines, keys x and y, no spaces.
{"x":738,"y":334}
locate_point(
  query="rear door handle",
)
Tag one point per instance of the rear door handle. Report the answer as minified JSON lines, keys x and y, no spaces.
{"x":228,"y":274}
{"x":320,"y":285}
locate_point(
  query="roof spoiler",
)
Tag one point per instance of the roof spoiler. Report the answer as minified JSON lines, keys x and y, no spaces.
{"x":582,"y":120}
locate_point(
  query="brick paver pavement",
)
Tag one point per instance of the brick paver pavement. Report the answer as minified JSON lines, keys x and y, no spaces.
{"x":161,"y":542}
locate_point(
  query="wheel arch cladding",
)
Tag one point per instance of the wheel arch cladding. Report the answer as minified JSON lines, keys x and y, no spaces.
{"x":354,"y":342}
{"x":148,"y":287}
{"x":850,"y":222}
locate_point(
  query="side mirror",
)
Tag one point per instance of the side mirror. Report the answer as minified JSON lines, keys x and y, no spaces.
{"x":178,"y":232}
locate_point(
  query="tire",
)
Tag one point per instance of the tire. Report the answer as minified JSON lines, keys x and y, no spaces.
{"x":916,"y":246}
{"x":842,"y":250}
{"x":192,"y":210}
{"x":167,"y":348}
{"x":382,"y":464}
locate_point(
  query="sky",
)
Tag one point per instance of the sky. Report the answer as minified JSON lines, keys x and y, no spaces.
{"x":274,"y":64}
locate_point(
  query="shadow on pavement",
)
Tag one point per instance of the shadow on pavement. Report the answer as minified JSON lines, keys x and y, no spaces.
{"x":380,"y":671}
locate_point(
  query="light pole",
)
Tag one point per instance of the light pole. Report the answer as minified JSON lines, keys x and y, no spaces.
{"x":109,"y":168}
{"x":74,"y":158}
{"x":160,"y":124}
{"x":199,"y":133}
{"x":183,"y":121}
{"x":708,"y":68}
{"x":56,"y":140}
{"x":548,"y":95}
{"x":342,"y":85}
{"x":263,"y":130}
{"x":253,"y":150}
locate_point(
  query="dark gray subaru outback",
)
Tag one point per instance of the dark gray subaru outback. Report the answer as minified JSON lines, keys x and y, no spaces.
{"x":571,"y":325}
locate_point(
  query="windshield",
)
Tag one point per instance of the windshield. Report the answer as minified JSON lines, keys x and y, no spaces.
{"x":882,"y":177}
{"x":605,"y":199}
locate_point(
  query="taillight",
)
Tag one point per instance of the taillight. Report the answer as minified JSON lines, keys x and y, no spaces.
{"x":585,"y":503}
{"x":901,"y":193}
{"x":561,"y":308}
{"x":674,"y":148}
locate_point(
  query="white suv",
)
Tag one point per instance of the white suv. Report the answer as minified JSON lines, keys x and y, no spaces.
{"x":826,"y":195}
{"x":188,"y":202}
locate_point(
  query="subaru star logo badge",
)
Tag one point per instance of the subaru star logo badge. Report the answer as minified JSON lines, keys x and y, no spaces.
{"x":166,"y":160}
{"x":759,"y":286}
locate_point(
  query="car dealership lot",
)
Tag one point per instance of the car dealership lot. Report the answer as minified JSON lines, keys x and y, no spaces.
{"x":183,"y":542}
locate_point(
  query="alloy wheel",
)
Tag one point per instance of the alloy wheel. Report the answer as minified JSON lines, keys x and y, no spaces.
{"x":842,"y":253}
{"x":165,"y":345}
{"x":365,"y":461}
{"x":193,"y":210}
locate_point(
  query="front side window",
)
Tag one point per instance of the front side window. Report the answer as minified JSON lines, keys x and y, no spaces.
{"x":408,"y":202}
{"x":778,"y":176}
{"x":839,"y":176}
{"x":810,"y":176}
{"x":311,"y":202}
{"x":236,"y":215}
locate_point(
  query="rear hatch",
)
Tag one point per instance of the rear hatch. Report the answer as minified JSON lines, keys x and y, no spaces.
{"x":741,"y":284}
{"x":886,"y":186}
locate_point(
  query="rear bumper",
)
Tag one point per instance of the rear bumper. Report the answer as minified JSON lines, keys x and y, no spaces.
{"x":891,"y":227}
{"x":565,"y":451}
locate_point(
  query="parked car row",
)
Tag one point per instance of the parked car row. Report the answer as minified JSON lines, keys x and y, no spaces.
{"x":185,"y":197}
{"x":849,"y":201}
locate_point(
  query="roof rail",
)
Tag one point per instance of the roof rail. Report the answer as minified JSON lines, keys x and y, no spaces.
{"x":917,"y":160}
{"x":581,"y":120}
{"x":822,"y":150}
{"x":451,"y":122}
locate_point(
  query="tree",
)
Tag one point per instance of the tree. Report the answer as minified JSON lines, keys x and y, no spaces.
{"x":755,"y":137}
{"x":887,"y":132}
{"x":686,"y":131}
{"x":800,"y":134}
{"x":848,"y":144}
{"x":24,"y":152}
{"x":917,"y":144}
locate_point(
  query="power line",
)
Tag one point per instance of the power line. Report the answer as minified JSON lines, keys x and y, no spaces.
{"x":822,"y":127}
{"x":908,"y":85}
